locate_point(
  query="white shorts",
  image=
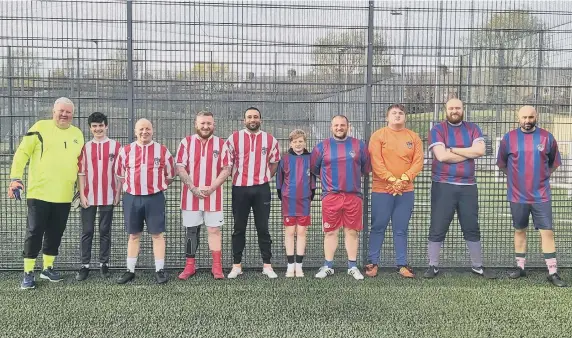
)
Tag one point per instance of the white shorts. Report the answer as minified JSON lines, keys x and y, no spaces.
{"x":208,"y":218}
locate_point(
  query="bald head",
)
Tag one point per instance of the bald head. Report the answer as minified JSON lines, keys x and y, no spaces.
{"x":527,"y":118}
{"x":454,"y":111}
{"x":144,"y":131}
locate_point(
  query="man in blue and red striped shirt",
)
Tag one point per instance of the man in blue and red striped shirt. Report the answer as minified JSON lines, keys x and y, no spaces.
{"x":528,"y":155}
{"x":296,"y":186}
{"x":455,"y":145}
{"x":340,"y":162}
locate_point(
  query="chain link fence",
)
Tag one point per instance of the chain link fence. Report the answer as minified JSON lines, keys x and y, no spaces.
{"x":300,"y":63}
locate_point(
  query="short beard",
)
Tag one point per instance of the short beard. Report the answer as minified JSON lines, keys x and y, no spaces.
{"x":200,"y":134}
{"x":252,"y":129}
{"x":454,"y":122}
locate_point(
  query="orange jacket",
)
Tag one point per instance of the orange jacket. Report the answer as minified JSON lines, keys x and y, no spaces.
{"x":394,"y":153}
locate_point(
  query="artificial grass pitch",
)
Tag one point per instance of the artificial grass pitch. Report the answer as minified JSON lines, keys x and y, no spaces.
{"x":454,"y":304}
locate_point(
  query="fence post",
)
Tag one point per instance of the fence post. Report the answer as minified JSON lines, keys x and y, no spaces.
{"x":130,"y":110}
{"x":78,"y":78}
{"x":10,"y":98}
{"x":367,"y":127}
{"x":539,"y":69}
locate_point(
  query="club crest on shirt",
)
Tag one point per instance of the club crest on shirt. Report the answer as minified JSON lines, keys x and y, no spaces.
{"x":352,"y":153}
{"x":157,"y":161}
{"x":263,"y":150}
{"x":409,"y":144}
{"x":111,"y":157}
{"x":215,"y":153}
{"x":540,"y":147}
{"x":75,"y":141}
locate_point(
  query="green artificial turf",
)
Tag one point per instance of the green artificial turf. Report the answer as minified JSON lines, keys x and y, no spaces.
{"x":455,"y":304}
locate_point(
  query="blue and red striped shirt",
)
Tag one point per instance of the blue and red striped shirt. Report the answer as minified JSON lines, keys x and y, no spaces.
{"x":295,"y":183}
{"x":463,"y":135}
{"x":528,"y":158}
{"x":340,"y":165}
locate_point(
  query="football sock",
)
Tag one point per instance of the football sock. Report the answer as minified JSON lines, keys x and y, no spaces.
{"x":520,"y":260}
{"x":475,"y":253}
{"x":550,"y":259}
{"x":48,"y":261}
{"x":131,"y":262}
{"x":29,"y":264}
{"x":299,"y":258}
{"x":290,"y":259}
{"x":434,"y":250}
{"x":329,"y":264}
{"x":352,"y":264}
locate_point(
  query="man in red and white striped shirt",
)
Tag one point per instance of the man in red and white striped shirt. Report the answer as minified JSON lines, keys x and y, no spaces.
{"x":98,"y":189}
{"x":203,"y":165}
{"x":254,"y":155}
{"x":146,"y":169}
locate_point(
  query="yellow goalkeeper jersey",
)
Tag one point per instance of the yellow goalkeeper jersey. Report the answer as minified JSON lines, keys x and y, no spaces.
{"x":53,"y":155}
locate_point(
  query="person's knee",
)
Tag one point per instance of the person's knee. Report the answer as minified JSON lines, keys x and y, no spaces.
{"x":351,"y":233}
{"x":301,"y":231}
{"x":472,"y":235}
{"x":157,"y":237}
{"x":213,"y":231}
{"x":331,"y":234}
{"x":135,"y":237}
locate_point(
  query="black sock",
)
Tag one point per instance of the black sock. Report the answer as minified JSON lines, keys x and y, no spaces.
{"x":299,"y":258}
{"x":290,"y":259}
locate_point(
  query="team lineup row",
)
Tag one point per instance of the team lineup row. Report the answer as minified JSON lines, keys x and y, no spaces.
{"x":137,"y":175}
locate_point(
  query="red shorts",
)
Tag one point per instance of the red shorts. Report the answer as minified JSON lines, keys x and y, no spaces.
{"x":297,"y":220}
{"x":342,"y":209}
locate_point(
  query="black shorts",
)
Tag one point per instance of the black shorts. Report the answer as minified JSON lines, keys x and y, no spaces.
{"x":541,"y":215}
{"x":141,"y":210}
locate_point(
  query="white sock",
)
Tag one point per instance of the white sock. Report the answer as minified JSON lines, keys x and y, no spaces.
{"x":131,"y":262}
{"x":298,"y":265}
{"x":85,"y":266}
{"x":290,"y":266}
{"x":159,"y":264}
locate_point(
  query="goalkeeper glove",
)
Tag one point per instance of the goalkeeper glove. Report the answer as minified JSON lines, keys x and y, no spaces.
{"x":15,"y":189}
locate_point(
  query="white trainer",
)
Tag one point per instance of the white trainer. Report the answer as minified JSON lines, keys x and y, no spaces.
{"x":299,"y":272}
{"x":290,"y":273}
{"x":234,"y":272}
{"x":269,"y":272}
{"x":324,"y":272}
{"x":355,"y":273}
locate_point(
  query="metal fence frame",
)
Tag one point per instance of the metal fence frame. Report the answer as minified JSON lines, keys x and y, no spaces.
{"x":364,"y":95}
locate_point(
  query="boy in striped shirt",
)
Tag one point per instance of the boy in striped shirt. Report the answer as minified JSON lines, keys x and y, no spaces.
{"x":98,"y":189}
{"x":203,"y":164}
{"x":296,"y":186}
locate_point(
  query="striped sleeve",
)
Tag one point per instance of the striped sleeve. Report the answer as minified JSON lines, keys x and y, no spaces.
{"x":120,"y":164}
{"x":182,"y":153}
{"x":81,"y":163}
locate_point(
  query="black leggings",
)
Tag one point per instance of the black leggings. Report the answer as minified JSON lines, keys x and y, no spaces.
{"x":46,"y":221}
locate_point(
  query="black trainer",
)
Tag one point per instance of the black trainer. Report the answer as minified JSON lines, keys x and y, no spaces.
{"x":487,"y":273}
{"x":431,"y":272}
{"x":517,"y":273}
{"x":556,"y":280}
{"x":126,"y":277}
{"x":51,"y":275}
{"x":104,"y":270}
{"x":82,"y":273}
{"x":161,"y":277}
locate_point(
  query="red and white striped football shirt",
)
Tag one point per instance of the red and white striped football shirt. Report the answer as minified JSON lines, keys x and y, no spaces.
{"x":203,"y":162}
{"x":96,"y":163}
{"x":145,"y":169}
{"x":250,"y":155}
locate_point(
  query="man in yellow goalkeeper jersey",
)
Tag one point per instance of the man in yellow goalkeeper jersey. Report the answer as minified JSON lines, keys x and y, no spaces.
{"x":52,"y":147}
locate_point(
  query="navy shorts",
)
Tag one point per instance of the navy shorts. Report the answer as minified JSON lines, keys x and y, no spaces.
{"x":141,"y":210}
{"x":541,"y":215}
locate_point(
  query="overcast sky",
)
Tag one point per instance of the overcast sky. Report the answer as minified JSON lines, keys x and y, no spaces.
{"x":255,"y":36}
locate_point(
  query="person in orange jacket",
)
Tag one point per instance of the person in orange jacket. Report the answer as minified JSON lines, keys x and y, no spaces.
{"x":396,"y":158}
